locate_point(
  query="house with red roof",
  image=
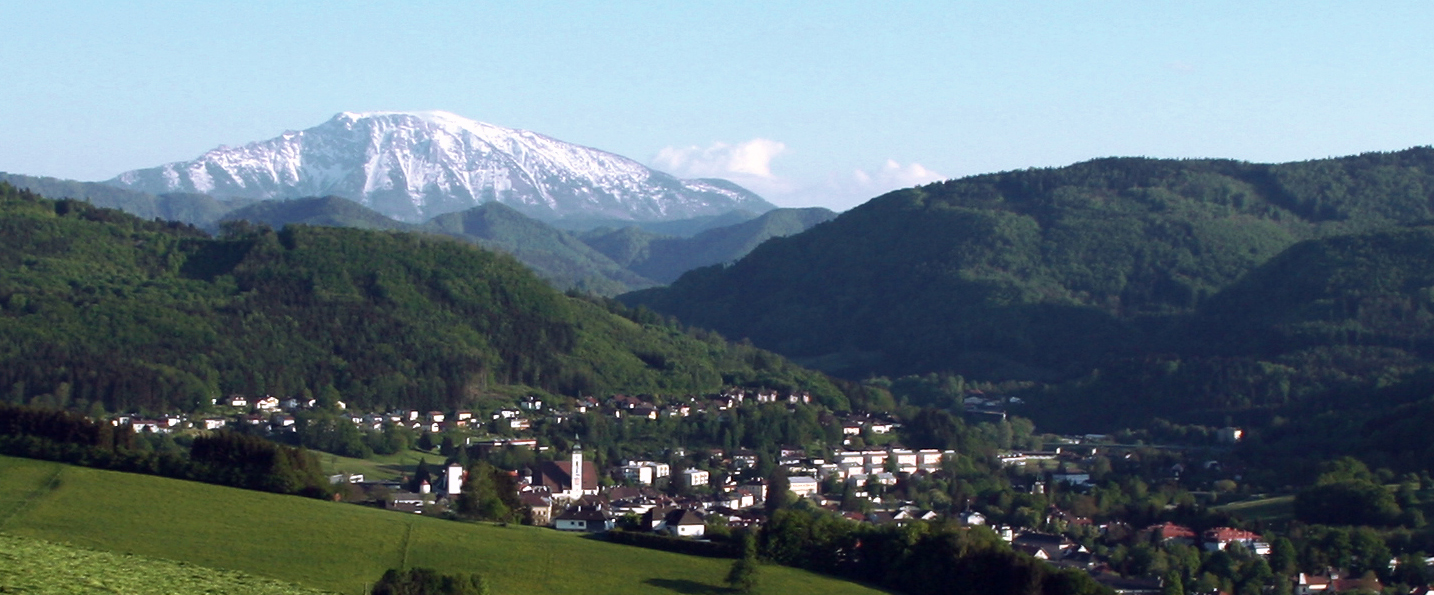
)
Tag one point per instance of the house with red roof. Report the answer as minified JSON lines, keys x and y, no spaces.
{"x":1220,"y":538}
{"x":1171,"y":532}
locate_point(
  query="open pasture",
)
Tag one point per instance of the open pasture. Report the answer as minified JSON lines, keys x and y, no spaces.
{"x":343,"y":547}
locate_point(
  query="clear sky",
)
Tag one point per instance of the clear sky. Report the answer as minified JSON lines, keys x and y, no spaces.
{"x":809,"y":103}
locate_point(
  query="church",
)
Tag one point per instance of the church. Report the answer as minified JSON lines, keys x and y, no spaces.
{"x":570,"y":479}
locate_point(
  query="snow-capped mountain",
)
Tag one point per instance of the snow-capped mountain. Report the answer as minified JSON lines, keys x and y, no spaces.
{"x":413,"y":166}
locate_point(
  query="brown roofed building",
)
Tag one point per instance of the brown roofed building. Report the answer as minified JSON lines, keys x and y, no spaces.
{"x":557,"y":476}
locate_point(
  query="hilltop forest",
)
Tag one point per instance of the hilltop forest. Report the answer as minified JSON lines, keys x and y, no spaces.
{"x":102,"y":310}
{"x":1112,"y":291}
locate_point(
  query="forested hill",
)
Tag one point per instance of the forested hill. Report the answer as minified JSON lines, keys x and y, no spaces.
{"x":97,"y":306}
{"x":326,"y":211}
{"x":554,"y":254}
{"x":664,"y":259}
{"x":197,"y":209}
{"x":1325,"y":350}
{"x":1037,"y":274}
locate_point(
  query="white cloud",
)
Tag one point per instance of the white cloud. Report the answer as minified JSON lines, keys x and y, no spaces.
{"x":750,"y":164}
{"x":893,"y":175}
{"x":751,"y":158}
{"x":844,"y":191}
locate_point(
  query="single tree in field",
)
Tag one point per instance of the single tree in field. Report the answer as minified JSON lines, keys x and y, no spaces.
{"x":743,"y":575}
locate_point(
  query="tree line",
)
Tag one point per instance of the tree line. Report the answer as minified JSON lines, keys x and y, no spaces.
{"x":222,"y":458}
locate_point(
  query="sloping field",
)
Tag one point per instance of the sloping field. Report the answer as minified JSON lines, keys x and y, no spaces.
{"x":41,"y":567}
{"x":340,"y":547}
{"x":379,"y":467}
{"x":1278,"y":508}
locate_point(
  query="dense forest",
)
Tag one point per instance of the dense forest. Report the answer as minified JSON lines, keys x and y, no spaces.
{"x":99,"y":309}
{"x":1122,"y":289}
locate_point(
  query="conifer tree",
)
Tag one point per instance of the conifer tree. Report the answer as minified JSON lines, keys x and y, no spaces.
{"x":743,"y":575}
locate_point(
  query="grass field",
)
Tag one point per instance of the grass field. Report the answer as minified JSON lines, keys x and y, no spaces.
{"x":379,"y":467}
{"x":40,"y":567}
{"x":341,"y":547}
{"x":1263,"y":509}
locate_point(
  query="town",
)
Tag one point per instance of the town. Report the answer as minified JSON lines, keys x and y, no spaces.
{"x":856,"y":469}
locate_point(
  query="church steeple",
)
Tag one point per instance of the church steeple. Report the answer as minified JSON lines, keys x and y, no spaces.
{"x":576,"y":491}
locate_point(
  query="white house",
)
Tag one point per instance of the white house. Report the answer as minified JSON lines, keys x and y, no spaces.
{"x":695,"y":477}
{"x":928,"y":459}
{"x":638,"y":473}
{"x":906,"y":460}
{"x":584,"y":518}
{"x":453,"y":478}
{"x":685,"y":523}
{"x":803,"y":486}
{"x":645,"y":472}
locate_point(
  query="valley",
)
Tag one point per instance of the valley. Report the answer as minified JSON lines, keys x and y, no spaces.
{"x":1123,"y":374}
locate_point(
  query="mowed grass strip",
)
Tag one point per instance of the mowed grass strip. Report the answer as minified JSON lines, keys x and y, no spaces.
{"x":39,"y":567}
{"x":25,"y":480}
{"x":344,"y":548}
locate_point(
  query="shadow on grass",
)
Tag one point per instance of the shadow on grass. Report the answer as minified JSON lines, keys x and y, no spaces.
{"x":688,"y":587}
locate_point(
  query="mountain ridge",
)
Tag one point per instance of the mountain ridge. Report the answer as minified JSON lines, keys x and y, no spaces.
{"x":150,"y":315}
{"x":957,"y":276}
{"x":412,"y":166}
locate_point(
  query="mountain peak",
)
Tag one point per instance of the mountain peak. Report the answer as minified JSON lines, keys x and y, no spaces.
{"x":413,"y":166}
{"x":438,"y":118}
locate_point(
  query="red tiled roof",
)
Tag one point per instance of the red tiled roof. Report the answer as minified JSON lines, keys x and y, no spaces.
{"x":1224,"y":534}
{"x":558,"y":475}
{"x":1172,"y":531}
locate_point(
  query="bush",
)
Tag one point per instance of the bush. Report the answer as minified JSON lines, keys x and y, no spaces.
{"x":426,"y":581}
{"x":1349,"y":502}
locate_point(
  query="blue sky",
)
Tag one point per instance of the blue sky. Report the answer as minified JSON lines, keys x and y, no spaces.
{"x":809,"y":103}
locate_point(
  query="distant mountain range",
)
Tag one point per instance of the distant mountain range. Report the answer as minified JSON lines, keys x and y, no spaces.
{"x":509,"y":190}
{"x":413,"y":166}
{"x":563,"y":258}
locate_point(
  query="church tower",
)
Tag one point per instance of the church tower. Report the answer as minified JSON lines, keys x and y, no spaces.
{"x":576,"y":491}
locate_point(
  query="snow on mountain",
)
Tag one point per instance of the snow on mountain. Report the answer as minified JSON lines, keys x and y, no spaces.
{"x":413,"y":166}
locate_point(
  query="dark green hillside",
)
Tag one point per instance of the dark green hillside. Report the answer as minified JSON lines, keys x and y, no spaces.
{"x":1326,"y":350}
{"x":1372,"y":290}
{"x":327,"y":211}
{"x":97,"y":306}
{"x":1318,"y":328}
{"x":1037,"y":274}
{"x":624,"y":246}
{"x":555,"y":255}
{"x":664,"y":259}
{"x":197,"y":209}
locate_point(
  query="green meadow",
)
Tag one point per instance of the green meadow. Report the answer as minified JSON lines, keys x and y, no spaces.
{"x":41,"y":567}
{"x":340,"y":547}
{"x":1278,"y":508}
{"x":379,"y":467}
